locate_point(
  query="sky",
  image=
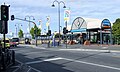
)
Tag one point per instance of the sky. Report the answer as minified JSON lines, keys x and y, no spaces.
{"x":40,"y":9}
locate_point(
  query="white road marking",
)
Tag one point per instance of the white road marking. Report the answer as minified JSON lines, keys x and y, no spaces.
{"x":14,"y":66}
{"x":104,"y":47}
{"x":38,"y":47}
{"x":52,"y":59}
{"x":16,"y":70}
{"x":36,"y":69}
{"x":90,"y":50}
{"x":31,"y":52}
{"x":38,"y":52}
{"x":99,"y":65}
{"x":60,"y":58}
{"x":29,"y":69}
{"x":83,"y":50}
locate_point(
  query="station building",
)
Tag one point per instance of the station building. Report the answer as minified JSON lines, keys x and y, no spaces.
{"x":93,"y":30}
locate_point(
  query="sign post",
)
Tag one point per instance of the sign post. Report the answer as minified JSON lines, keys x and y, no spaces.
{"x":66,"y":19}
{"x":67,"y":15}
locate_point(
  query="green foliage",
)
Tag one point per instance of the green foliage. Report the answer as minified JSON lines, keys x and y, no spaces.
{"x":35,"y":30}
{"x":20,"y":33}
{"x":32,"y":32}
{"x":116,"y":29}
{"x":57,"y":35}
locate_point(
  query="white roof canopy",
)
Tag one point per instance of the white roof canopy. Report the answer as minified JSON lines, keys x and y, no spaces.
{"x":93,"y":23}
{"x":86,"y":23}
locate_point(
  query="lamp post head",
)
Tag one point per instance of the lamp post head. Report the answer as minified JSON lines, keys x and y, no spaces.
{"x":33,"y":18}
{"x":64,"y":6}
{"x":25,"y":18}
{"x":53,"y":5}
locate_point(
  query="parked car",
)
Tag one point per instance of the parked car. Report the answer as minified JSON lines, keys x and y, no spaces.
{"x":7,"y":43}
{"x":13,"y":43}
{"x":16,"y":41}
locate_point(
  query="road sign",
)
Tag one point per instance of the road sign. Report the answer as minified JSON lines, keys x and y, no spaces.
{"x":66,"y":15}
{"x":106,"y":24}
{"x":47,"y":24}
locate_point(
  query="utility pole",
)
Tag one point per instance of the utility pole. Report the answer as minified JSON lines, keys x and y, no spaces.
{"x":66,"y":33}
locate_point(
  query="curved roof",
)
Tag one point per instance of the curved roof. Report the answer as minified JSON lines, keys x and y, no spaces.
{"x":82,"y":24}
{"x":79,"y":25}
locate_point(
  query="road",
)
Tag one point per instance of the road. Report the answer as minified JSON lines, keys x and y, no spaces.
{"x":36,"y":59}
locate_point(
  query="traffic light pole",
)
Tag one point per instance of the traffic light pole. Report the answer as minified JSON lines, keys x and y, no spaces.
{"x":4,"y":42}
{"x":27,"y":21}
{"x":36,"y":35}
{"x":66,"y":34}
{"x":48,"y":37}
{"x":3,"y":23}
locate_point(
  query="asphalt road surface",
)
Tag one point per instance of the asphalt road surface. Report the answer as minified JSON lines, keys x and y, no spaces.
{"x":34,"y":59}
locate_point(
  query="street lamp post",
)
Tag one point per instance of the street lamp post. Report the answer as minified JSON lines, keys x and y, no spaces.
{"x":29,"y":17}
{"x":40,"y":24}
{"x":44,"y":31}
{"x":61,"y":28}
{"x":17,"y":28}
{"x":59,"y":2}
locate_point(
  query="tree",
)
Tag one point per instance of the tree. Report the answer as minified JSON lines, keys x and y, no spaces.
{"x":32,"y":31}
{"x":20,"y":33}
{"x":116,"y":27}
{"x":116,"y":30}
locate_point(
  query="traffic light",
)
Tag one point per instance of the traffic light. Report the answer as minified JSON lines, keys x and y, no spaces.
{"x":65,"y":30}
{"x":49,"y":33}
{"x":12,"y":17}
{"x":4,"y":12}
{"x":3,"y":27}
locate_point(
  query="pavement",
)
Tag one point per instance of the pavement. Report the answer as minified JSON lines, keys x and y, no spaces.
{"x":78,"y":47}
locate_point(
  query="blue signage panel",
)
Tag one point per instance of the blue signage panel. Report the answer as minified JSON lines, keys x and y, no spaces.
{"x":106,"y":24}
{"x":79,"y":30}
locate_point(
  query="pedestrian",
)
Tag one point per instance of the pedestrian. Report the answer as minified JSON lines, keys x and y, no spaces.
{"x":53,"y":39}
